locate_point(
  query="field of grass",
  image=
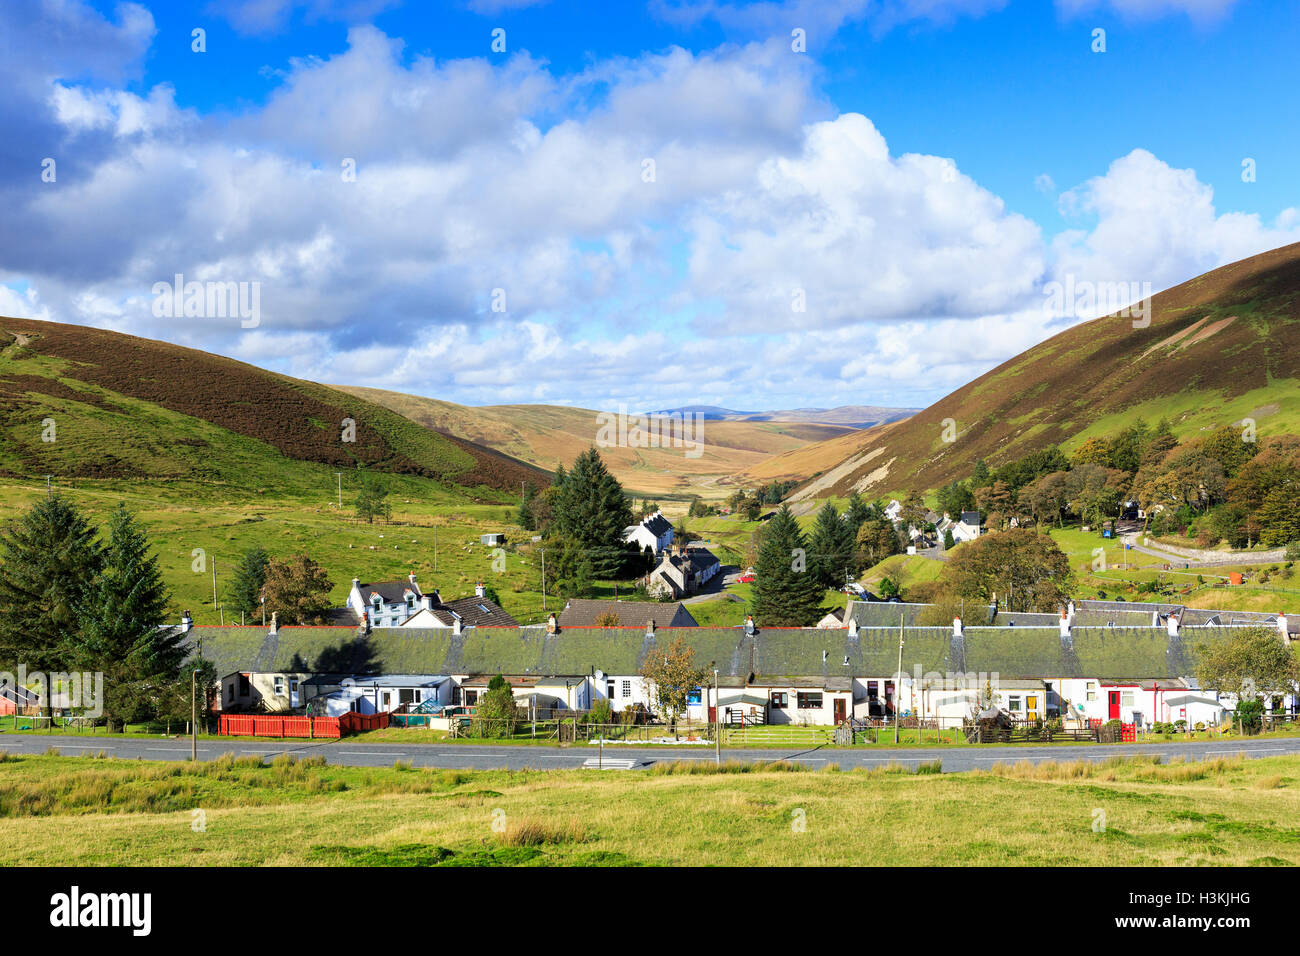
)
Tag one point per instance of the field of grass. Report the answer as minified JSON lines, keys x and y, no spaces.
{"x":182,"y":517}
{"x":86,"y":811}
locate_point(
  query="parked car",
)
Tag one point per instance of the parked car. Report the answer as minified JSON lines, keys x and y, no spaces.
{"x":745,"y":579}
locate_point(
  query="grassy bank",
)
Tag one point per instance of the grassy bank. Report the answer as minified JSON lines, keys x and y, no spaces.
{"x":61,"y":810}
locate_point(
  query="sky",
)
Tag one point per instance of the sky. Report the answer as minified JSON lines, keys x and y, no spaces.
{"x":790,"y":203}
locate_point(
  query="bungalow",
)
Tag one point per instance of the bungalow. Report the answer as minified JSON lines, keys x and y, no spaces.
{"x":654,"y":532}
{"x":337,"y":694}
{"x":262,"y":691}
{"x":565,"y":692}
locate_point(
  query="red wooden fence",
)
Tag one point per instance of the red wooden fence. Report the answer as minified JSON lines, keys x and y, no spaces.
{"x":259,"y":725}
{"x":1128,"y":733}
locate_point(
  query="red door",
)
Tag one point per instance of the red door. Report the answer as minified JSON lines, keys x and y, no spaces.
{"x":839,"y":710}
{"x":1114,"y":704}
{"x":713,"y":713}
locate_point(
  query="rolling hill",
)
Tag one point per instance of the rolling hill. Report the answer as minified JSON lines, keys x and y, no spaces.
{"x":549,"y":435}
{"x":79,"y":402}
{"x":1219,"y":348}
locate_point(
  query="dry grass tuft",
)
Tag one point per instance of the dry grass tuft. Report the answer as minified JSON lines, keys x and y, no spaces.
{"x":531,"y":831}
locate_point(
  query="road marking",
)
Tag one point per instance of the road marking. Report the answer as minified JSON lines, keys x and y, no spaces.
{"x":373,"y":753}
{"x":594,"y":763}
{"x":1252,"y":750}
{"x":498,"y":756}
{"x":81,"y":747}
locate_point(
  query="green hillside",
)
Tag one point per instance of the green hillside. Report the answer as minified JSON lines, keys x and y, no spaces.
{"x":1219,"y":348}
{"x":82,"y":403}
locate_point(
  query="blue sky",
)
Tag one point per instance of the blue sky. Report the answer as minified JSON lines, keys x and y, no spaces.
{"x":873,"y":220}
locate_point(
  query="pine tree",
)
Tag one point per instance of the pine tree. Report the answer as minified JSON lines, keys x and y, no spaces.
{"x":248,"y":581}
{"x":830,"y":548}
{"x":592,"y":509}
{"x":49,"y":559}
{"x":785,"y":594}
{"x":121,"y":633}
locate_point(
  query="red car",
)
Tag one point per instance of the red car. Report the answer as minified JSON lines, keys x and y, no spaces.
{"x":745,"y":579}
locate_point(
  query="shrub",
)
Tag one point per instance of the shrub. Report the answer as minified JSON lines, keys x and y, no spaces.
{"x":1249,"y":716}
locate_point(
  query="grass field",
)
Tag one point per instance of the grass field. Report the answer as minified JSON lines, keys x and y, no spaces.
{"x":86,"y":811}
{"x":182,"y":517}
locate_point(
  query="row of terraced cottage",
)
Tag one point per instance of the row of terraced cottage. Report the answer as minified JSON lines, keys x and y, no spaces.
{"x":1096,"y":660}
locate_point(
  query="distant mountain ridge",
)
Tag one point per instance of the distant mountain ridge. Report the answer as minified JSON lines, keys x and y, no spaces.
{"x":851,"y":416}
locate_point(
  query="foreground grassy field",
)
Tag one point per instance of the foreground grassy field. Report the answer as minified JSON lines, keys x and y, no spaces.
{"x":86,"y":811}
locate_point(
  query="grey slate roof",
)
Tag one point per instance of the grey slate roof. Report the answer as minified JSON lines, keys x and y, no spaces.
{"x":583,"y":612}
{"x":479,"y":612}
{"x":1019,"y":652}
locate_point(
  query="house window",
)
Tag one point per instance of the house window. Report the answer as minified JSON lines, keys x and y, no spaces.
{"x":780,"y":699}
{"x":471,"y":698}
{"x":1013,"y":705}
{"x":243,"y":685}
{"x":1092,"y":690}
{"x":809,"y":700}
{"x":627,"y":688}
{"x":406,"y":696}
{"x":609,"y":689}
{"x":1126,"y":699}
{"x":873,"y":690}
{"x":279,"y":687}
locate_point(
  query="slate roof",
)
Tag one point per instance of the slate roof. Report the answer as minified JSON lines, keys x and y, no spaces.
{"x":657,"y":525}
{"x":1015,"y":653}
{"x":583,"y":612}
{"x":479,"y":612}
{"x":391,"y":592}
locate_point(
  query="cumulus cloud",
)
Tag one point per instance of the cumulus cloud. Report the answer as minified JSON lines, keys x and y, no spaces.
{"x":1155,"y":223}
{"x":514,"y":234}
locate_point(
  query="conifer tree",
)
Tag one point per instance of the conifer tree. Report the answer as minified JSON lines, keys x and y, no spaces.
{"x":592,"y":509}
{"x":248,"y":580}
{"x":121,"y":633}
{"x":785,"y":594}
{"x":830,"y":547}
{"x":49,"y":559}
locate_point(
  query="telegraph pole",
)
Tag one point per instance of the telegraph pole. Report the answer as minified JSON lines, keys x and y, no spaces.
{"x":340,"y":477}
{"x":194,"y":715}
{"x":543,"y":550}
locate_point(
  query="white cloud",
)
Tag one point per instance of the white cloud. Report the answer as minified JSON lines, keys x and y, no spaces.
{"x":1157,"y":224}
{"x":1199,"y":11}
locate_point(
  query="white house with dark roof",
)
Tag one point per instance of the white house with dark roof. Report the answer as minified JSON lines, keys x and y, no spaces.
{"x":967,"y":528}
{"x":403,"y":604}
{"x":654,"y":532}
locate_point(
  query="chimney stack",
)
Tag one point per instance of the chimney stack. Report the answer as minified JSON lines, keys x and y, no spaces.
{"x":1282,"y":627}
{"x":552,"y":626}
{"x":956,"y":626}
{"x":455,"y":624}
{"x":275,"y":623}
{"x":1065,"y":623}
{"x":749,"y":624}
{"x":480,"y":590}
{"x":187,"y":623}
{"x":1173,"y":624}
{"x":411,"y":577}
{"x":853,"y":624}
{"x":650,"y":628}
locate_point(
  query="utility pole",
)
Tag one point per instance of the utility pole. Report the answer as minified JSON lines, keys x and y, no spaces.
{"x":898,"y":683}
{"x":543,"y":550}
{"x":435,"y":549}
{"x":49,"y":492}
{"x":194,"y":715}
{"x":340,"y":477}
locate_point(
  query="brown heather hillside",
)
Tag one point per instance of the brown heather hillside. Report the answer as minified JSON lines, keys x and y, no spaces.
{"x":124,"y":407}
{"x":550,"y":435}
{"x":1220,"y":348}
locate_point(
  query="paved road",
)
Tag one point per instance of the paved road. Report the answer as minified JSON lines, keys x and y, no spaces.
{"x":1182,"y":562}
{"x":357,"y":753}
